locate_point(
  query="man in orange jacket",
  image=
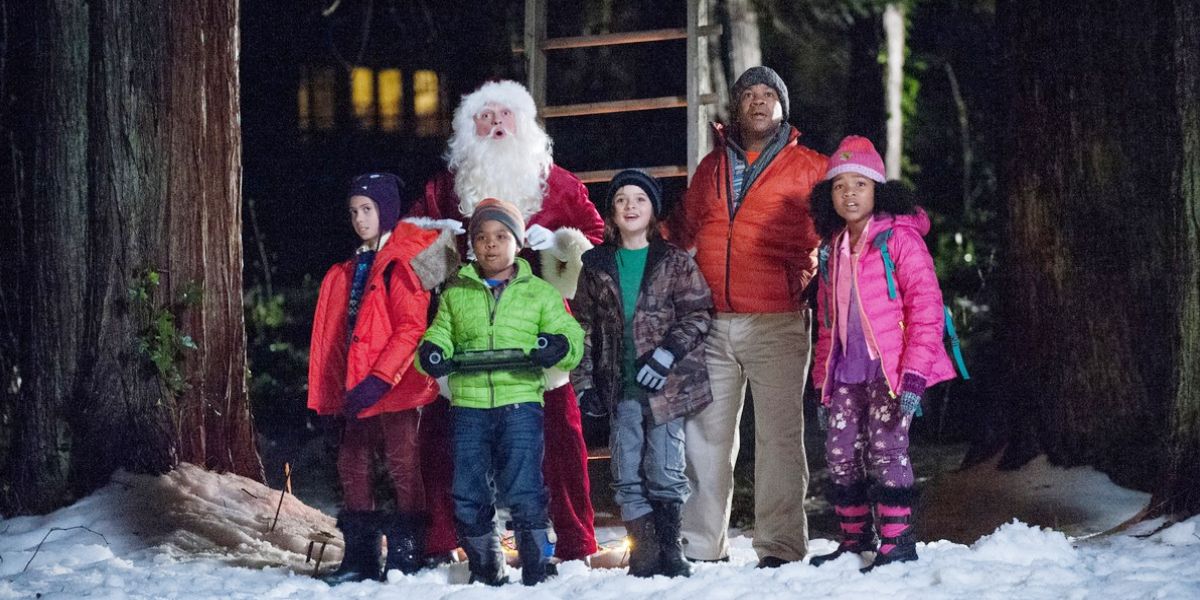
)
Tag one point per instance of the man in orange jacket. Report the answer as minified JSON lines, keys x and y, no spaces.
{"x":746,"y":214}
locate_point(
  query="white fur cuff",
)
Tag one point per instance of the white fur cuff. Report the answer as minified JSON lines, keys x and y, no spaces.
{"x":562,"y":262}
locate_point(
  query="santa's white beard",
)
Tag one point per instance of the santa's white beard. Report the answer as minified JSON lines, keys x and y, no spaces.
{"x":511,"y":168}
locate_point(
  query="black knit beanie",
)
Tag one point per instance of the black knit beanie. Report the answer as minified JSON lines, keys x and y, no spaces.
{"x":767,"y":76}
{"x":636,"y":177}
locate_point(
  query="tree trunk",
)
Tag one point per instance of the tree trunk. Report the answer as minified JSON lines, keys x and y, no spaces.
{"x":1178,"y":491}
{"x":54,"y":195}
{"x":204,"y":242}
{"x":893,"y":27}
{"x":1091,"y":323}
{"x":745,"y":43}
{"x":137,"y":171}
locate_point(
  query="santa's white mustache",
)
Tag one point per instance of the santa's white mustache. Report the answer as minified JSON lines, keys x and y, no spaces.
{"x":499,"y":131}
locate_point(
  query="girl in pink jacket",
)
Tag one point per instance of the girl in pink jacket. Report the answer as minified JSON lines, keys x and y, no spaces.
{"x":879,"y":344}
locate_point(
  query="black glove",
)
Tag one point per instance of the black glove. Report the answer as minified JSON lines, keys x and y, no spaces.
{"x":551,"y":348}
{"x":591,"y":405}
{"x":652,"y":368}
{"x":433,"y":361}
{"x":364,"y":395}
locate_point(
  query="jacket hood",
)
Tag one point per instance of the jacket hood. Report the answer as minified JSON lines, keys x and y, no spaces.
{"x":918,"y":222}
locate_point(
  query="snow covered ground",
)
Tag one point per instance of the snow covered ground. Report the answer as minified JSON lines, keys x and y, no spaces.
{"x":194,"y":534}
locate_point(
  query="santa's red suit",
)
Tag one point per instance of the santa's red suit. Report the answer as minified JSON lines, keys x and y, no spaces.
{"x":567,"y":212}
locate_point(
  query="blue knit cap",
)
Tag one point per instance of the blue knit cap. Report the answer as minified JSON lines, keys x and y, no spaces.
{"x":384,"y":189}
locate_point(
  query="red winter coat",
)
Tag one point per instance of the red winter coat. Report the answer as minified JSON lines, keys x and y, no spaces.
{"x":905,"y":332}
{"x":391,"y":320}
{"x":761,"y":259}
{"x":566,"y":204}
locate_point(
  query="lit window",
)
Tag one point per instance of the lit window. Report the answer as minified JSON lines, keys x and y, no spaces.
{"x":425,"y":93}
{"x":362,"y":96}
{"x":320,"y":104}
{"x":302,"y":106}
{"x":391,"y":93}
{"x":425,"y":102}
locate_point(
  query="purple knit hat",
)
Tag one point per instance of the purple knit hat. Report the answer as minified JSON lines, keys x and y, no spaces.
{"x":856,"y":154}
{"x":384,"y":189}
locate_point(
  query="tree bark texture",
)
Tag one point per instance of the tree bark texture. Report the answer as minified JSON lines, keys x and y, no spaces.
{"x":50,"y":191}
{"x":135,"y":168}
{"x":1178,"y":491}
{"x":1092,"y":296}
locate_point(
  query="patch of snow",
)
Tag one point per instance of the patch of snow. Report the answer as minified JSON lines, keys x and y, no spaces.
{"x":195,"y":534}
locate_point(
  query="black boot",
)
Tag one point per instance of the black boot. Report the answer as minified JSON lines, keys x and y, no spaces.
{"x":485,"y":559}
{"x":533,"y":547}
{"x":893,"y":515}
{"x":405,"y":542}
{"x":854,"y":520}
{"x":360,"y":561}
{"x":671,"y":561}
{"x":643,"y":553}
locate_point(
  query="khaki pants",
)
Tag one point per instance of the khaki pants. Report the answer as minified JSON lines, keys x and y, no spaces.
{"x":770,"y":351}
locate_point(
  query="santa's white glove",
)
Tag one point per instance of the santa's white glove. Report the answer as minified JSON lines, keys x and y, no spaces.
{"x":452,"y":225}
{"x":538,"y":238}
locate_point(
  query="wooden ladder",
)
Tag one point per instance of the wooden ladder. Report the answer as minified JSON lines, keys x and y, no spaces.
{"x":536,"y":45}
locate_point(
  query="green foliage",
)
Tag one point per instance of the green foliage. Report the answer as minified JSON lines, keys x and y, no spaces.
{"x":160,"y":340}
{"x":277,"y":324}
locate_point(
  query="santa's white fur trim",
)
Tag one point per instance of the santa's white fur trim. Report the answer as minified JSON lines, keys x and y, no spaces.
{"x":556,"y":378}
{"x":562,"y":262}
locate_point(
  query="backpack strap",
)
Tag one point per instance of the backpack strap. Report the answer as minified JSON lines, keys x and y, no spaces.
{"x":955,"y":346}
{"x":880,"y":243}
{"x":823,"y":270}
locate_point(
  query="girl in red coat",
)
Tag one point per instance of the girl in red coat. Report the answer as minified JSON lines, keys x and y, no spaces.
{"x":879,"y":344}
{"x":371,"y":312}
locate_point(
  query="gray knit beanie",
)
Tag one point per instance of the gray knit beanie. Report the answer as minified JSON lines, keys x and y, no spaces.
{"x":767,"y":76}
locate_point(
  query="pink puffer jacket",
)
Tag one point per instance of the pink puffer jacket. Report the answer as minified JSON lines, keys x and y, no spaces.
{"x":906,"y":333}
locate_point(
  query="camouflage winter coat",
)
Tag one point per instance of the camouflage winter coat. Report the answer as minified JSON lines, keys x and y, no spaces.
{"x":674,"y":309}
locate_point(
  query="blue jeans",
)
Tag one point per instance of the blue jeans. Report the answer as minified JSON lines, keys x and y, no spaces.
{"x":498,"y":454}
{"x":647,"y":460}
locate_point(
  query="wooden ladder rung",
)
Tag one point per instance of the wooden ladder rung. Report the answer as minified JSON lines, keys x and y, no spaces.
{"x":607,"y":174}
{"x":621,"y":106}
{"x":617,"y":39}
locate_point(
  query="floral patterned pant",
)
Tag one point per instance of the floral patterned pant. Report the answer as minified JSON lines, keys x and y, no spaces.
{"x":867,"y":436}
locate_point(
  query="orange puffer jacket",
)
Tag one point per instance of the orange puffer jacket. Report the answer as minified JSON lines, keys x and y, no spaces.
{"x":392,"y":317}
{"x":761,"y":258}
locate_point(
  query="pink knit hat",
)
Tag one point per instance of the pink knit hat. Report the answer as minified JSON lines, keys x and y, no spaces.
{"x":856,"y":154}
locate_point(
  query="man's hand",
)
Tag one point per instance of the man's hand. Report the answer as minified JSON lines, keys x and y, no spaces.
{"x":538,"y":238}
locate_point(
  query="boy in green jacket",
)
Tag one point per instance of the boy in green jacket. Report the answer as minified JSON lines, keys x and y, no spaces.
{"x":497,"y":303}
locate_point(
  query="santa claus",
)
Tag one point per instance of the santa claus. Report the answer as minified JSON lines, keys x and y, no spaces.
{"x":498,"y":150}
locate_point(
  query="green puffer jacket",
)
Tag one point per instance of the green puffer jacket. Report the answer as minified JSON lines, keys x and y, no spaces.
{"x":469,"y":319}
